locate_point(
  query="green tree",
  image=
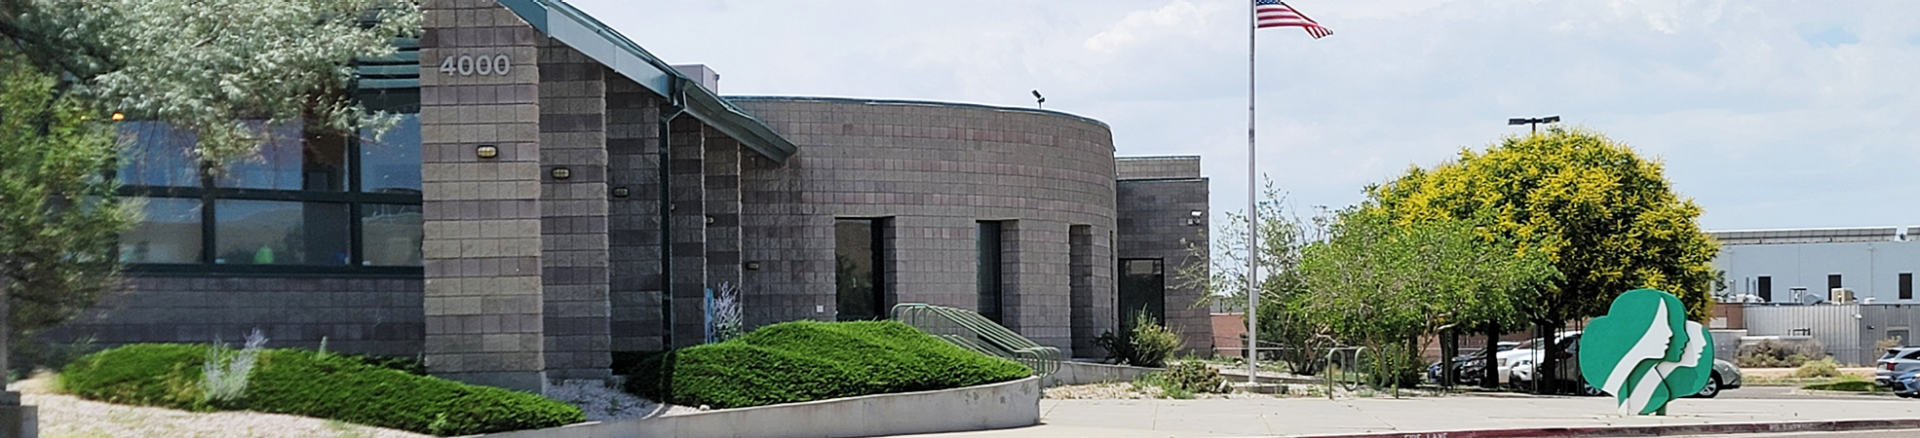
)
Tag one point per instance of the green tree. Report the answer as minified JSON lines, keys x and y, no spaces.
{"x":208,"y":65}
{"x":58,"y":212}
{"x":1282,"y":235}
{"x":1608,"y":220}
{"x":1382,"y":285}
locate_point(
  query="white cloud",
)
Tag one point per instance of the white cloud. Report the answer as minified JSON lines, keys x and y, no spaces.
{"x":1179,"y":18}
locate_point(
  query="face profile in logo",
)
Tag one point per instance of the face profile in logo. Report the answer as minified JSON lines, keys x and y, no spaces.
{"x":1645,"y":352}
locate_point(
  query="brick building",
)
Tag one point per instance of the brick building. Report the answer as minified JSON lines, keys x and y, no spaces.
{"x":554,"y":193}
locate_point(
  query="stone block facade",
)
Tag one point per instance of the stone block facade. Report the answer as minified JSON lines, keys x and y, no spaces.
{"x":570,"y":211}
{"x":484,"y":299}
{"x":932,"y":172}
{"x":1158,"y":198}
{"x":377,"y":316}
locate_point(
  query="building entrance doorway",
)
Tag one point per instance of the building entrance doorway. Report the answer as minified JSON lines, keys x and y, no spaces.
{"x":1143,"y":288}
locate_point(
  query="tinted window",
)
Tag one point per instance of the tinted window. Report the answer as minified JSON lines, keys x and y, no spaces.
{"x":390,"y":234}
{"x":857,"y":269}
{"x":987,"y":278}
{"x":157,"y":155}
{"x":280,"y":233}
{"x":391,"y":163}
{"x":292,"y":159}
{"x":168,"y":232}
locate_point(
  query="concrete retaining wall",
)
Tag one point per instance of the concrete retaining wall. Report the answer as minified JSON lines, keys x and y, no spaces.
{"x":1082,"y":373}
{"x":995,"y":406}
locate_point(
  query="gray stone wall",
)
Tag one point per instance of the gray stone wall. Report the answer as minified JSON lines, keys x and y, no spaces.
{"x":483,"y":289}
{"x":933,"y":170}
{"x":633,"y":147}
{"x":687,"y":139}
{"x":355,"y":315}
{"x":1156,"y":222}
{"x":1185,"y":166}
{"x":573,"y":214}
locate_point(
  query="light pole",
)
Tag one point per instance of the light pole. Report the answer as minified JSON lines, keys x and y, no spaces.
{"x":1533,"y":124}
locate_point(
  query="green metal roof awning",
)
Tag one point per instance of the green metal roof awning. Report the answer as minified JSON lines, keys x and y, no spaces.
{"x":576,"y":29}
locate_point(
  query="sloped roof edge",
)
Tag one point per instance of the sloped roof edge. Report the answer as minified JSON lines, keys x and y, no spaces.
{"x":582,"y":32}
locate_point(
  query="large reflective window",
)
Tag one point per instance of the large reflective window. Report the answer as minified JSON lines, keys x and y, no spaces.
{"x":168,"y":232}
{"x":391,"y":163}
{"x":156,"y":154}
{"x":390,"y":234}
{"x":280,"y":233}
{"x":292,"y":158}
{"x":858,"y":274}
{"x":987,"y":279}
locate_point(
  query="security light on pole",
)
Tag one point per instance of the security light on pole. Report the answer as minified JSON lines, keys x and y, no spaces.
{"x":1533,"y":124}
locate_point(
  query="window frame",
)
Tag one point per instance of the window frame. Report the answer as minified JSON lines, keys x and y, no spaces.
{"x":209,"y":192}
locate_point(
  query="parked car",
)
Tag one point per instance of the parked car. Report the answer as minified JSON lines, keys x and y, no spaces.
{"x":1895,"y":363}
{"x":1907,"y":385}
{"x":1725,"y":374}
{"x":1529,"y":350}
{"x":1469,"y":366}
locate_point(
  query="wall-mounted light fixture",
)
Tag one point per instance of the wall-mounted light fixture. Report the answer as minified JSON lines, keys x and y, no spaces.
{"x":709,"y":220}
{"x":753,"y":266}
{"x":1193,"y":219}
{"x":486,"y":151}
{"x":561,"y":173}
{"x":620,"y":192}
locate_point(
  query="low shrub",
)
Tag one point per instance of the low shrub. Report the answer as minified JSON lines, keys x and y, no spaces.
{"x":806,"y":361}
{"x":300,"y":382}
{"x":1826,"y":367}
{"x":1196,"y":376}
{"x":1148,"y":344}
{"x":1776,"y":354}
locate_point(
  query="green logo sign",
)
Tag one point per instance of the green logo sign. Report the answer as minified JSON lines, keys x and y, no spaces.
{"x":1645,"y":352}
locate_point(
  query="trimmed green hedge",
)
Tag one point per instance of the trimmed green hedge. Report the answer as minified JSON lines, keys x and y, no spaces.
{"x":301,"y":382}
{"x":806,"y":361}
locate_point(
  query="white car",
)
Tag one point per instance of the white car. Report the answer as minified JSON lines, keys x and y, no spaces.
{"x":1529,"y":352}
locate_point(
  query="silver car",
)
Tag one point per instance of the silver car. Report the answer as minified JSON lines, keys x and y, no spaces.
{"x":1725,"y":376}
{"x":1897,"y":361}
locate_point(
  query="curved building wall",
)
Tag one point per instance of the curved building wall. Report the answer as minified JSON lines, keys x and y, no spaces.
{"x":930,"y":173}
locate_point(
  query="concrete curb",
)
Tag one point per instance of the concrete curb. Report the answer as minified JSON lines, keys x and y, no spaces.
{"x":991,"y":406}
{"x":1649,"y":430}
{"x":1081,"y":373}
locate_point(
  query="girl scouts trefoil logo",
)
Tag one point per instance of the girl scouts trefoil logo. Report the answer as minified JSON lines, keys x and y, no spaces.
{"x":1645,"y":352}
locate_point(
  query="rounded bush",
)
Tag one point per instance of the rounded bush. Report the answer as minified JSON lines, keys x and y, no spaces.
{"x":305,"y":383}
{"x":806,"y":361}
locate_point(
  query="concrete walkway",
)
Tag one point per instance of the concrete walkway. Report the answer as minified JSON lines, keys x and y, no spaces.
{"x":1295,"y":417}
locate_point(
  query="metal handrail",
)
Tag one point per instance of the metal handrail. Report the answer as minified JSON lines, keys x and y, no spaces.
{"x":969,"y":330}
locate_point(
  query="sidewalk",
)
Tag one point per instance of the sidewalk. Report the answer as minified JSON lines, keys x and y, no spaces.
{"x":1297,"y":417}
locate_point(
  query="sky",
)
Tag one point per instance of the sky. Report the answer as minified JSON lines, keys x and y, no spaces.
{"x":1768,"y":114}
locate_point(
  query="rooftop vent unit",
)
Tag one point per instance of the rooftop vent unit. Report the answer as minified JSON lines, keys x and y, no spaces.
{"x":701,"y":74}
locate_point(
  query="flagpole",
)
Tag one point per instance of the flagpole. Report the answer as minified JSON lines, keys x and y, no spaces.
{"x":1253,"y":213}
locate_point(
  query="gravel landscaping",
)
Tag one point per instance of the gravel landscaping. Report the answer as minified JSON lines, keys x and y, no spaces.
{"x":65,"y":416}
{"x":602,"y":403}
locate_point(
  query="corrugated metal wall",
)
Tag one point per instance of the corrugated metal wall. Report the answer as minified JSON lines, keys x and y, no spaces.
{"x":1834,"y":325}
{"x":1884,"y":321}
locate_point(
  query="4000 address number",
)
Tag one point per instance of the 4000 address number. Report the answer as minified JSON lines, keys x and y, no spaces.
{"x":483,"y":65}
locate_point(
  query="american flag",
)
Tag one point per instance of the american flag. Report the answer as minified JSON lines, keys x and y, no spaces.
{"x":1273,"y":13}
